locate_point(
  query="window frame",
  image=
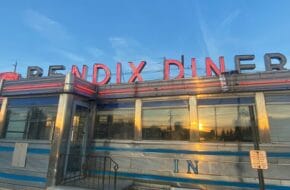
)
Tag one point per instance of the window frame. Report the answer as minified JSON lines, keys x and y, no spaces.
{"x":100,"y":109}
{"x":271,"y":103}
{"x":167,"y":99}
{"x":212,"y":97}
{"x":27,"y":120}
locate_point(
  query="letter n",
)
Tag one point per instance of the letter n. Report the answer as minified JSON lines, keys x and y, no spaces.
{"x":75,"y":71}
{"x":211,"y":66}
{"x":192,"y":166}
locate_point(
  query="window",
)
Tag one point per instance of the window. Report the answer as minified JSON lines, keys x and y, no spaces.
{"x":165,"y":120}
{"x":115,"y":120}
{"x":31,"y":118}
{"x":226,"y":119}
{"x":278,"y":109}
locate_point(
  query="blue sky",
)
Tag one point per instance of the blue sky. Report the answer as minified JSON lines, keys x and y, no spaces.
{"x":81,"y":32}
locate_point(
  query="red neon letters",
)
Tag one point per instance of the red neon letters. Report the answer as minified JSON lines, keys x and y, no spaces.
{"x":211,"y":66}
{"x":107,"y":78}
{"x":136,"y":71}
{"x":272,"y":61}
{"x":193,"y":67}
{"x":177,"y":63}
{"x":118,"y":73}
{"x":75,"y":71}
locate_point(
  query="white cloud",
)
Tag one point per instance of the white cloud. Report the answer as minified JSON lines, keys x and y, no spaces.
{"x":69,"y":55}
{"x":120,"y":42}
{"x":229,"y":19}
{"x":49,"y":28}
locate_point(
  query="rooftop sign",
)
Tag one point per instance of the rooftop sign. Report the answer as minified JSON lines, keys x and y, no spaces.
{"x":272,"y":61}
{"x":242,"y":63}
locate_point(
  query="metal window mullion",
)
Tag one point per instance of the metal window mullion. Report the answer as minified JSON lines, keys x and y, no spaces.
{"x":27,"y":126}
{"x":3,"y":113}
{"x":262,"y":118}
{"x":138,"y":120}
{"x":193,"y":119}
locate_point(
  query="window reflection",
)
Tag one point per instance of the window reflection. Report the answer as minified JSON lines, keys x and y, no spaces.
{"x":115,"y":121}
{"x":30,"y":122}
{"x":165,"y":123}
{"x":278,"y":108}
{"x":225,"y":123}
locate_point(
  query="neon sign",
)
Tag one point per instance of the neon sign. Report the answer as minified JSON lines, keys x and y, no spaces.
{"x":9,"y":76}
{"x":211,"y":68}
{"x":272,"y":61}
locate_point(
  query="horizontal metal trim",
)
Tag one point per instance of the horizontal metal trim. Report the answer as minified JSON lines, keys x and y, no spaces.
{"x":178,"y":151}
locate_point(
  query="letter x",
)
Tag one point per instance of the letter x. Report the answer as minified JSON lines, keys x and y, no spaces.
{"x":136,"y":71}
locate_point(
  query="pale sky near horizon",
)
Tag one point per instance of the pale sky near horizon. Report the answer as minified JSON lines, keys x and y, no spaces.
{"x":67,"y":32}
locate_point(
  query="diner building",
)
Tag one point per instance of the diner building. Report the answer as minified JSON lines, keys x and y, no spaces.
{"x":182,"y":133}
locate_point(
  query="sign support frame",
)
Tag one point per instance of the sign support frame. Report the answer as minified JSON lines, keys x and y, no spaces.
{"x":256,"y":146}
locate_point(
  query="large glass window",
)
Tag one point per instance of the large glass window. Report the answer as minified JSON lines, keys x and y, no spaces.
{"x":278,"y":108}
{"x":115,"y":120}
{"x":31,"y":118}
{"x":165,"y":120}
{"x":226,"y":119}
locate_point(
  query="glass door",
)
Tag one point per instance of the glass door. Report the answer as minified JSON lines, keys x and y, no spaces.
{"x":77,"y":140}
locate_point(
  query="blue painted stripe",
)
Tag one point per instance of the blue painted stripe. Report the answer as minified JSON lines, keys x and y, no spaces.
{"x":6,"y":149}
{"x":23,"y":177}
{"x":38,"y":151}
{"x":173,"y":179}
{"x":177,"y":151}
{"x":29,"y":150}
{"x":279,"y":154}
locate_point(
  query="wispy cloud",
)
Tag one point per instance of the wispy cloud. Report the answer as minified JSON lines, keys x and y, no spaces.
{"x":211,"y":35}
{"x":64,"y":44}
{"x":69,"y":55}
{"x":207,"y":35}
{"x":128,"y":49}
{"x":95,"y":52}
{"x":125,"y":48}
{"x":45,"y":26}
{"x":118,"y":42}
{"x":229,"y":19}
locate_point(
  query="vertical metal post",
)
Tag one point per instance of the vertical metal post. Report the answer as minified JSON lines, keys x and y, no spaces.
{"x":182,"y":60}
{"x":15,"y":66}
{"x":104,"y":172}
{"x":193,"y":118}
{"x":61,"y":134}
{"x":115,"y":179}
{"x":3,"y":111}
{"x":256,"y":145}
{"x":262,"y":118}
{"x":138,"y":120}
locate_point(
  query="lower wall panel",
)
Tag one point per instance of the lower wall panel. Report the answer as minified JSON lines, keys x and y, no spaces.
{"x":33,"y":175}
{"x":218,"y":167}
